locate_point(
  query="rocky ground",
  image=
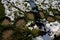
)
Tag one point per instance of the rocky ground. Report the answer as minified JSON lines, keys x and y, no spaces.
{"x":16,"y":25}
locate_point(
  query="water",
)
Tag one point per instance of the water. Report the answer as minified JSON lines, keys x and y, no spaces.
{"x":54,"y":29}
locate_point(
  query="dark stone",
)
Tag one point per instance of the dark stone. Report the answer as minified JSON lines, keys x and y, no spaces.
{"x":40,"y":25}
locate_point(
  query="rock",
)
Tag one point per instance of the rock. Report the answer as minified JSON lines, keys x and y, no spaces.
{"x":50,"y":19}
{"x":5,"y":22}
{"x":30,"y":16}
{"x":20,"y":23}
{"x":57,"y":16}
{"x":7,"y":34}
{"x":42,"y":15}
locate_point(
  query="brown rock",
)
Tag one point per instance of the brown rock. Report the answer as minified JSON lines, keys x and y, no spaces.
{"x":20,"y":23}
{"x":30,"y":16}
{"x":57,"y":16}
{"x":7,"y":34}
{"x":41,"y":15}
{"x":50,"y":19}
{"x":5,"y":22}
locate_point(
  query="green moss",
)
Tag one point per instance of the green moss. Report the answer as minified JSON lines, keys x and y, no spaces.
{"x":35,"y":32}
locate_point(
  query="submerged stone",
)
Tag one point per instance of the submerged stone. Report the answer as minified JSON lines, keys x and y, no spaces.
{"x":5,"y":21}
{"x":20,"y":23}
{"x":30,"y":16}
{"x":50,"y":19}
{"x":42,"y":15}
{"x":7,"y":34}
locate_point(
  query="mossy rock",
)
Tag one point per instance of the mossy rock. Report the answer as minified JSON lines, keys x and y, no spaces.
{"x":35,"y":32}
